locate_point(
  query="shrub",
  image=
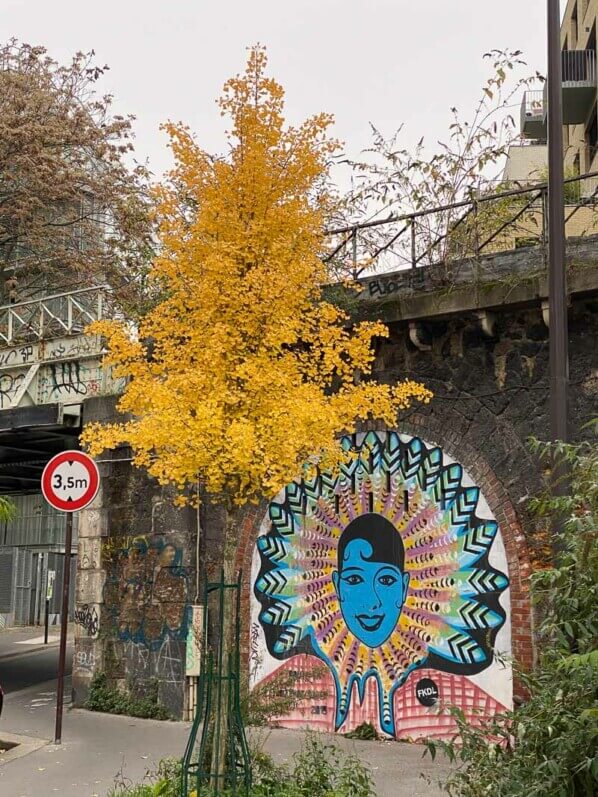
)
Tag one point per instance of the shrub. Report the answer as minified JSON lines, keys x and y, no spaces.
{"x":279,"y":696}
{"x":167,"y":782}
{"x":318,"y":770}
{"x":105,"y":697}
{"x":364,"y":731}
{"x":549,"y":746}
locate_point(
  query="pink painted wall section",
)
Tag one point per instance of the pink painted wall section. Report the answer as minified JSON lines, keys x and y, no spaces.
{"x":414,"y":721}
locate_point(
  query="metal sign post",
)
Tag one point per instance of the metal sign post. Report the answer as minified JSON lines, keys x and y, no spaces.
{"x":558,"y":333}
{"x":557,"y":287}
{"x":70,"y":482}
{"x":49,"y":593}
{"x":64,"y":620}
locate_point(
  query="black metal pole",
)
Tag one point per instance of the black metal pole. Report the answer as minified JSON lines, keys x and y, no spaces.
{"x":557,"y":289}
{"x":64,"y":621}
{"x":46,"y":621}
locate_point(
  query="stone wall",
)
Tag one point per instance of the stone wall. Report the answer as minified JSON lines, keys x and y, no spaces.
{"x":490,"y":385}
{"x":135,"y":582}
{"x":137,"y":553}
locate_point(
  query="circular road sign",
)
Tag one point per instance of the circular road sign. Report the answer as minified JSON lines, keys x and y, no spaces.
{"x":70,"y":481}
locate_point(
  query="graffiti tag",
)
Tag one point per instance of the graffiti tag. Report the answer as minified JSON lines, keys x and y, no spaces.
{"x":85,"y":660}
{"x":77,"y":348}
{"x":22,"y":355}
{"x":66,"y":378}
{"x":87,"y":617}
{"x":9,"y":385}
{"x":382,"y":288}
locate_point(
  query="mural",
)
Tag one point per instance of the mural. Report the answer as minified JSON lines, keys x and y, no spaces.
{"x":145,"y":592}
{"x":393,"y":574}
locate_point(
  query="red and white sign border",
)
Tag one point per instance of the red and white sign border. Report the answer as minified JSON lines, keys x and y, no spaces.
{"x":90,"y":493}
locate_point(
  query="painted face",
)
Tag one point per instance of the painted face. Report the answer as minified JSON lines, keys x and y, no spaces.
{"x":371,"y":594}
{"x":167,"y":556}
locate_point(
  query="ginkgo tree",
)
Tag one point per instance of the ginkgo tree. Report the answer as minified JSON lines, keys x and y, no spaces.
{"x":243,"y":374}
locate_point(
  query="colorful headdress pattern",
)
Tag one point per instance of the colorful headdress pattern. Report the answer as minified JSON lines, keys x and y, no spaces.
{"x":451,"y":612}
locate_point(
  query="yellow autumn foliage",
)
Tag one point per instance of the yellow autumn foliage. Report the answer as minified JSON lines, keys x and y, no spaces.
{"x":250,"y":372}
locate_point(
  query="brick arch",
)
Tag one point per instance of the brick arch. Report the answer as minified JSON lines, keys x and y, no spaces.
{"x":434,"y":429}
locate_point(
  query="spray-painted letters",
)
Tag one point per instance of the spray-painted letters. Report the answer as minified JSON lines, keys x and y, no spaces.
{"x":87,"y":617}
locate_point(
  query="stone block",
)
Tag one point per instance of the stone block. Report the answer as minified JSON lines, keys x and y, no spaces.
{"x":90,"y":586}
{"x":89,"y":553}
{"x":92,"y":522}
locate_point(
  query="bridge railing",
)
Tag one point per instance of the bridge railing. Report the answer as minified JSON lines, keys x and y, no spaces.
{"x":61,"y":314}
{"x":445,"y":235}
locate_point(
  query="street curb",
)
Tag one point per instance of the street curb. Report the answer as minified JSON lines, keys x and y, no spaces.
{"x":131,"y":720}
{"x":24,"y":746}
{"x":26,"y":651}
{"x":35,"y":689}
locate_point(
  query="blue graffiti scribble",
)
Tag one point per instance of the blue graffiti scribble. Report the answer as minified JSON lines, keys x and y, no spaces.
{"x":146,"y":592}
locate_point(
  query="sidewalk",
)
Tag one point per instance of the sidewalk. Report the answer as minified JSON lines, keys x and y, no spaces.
{"x":97,"y":747}
{"x":17,"y":640}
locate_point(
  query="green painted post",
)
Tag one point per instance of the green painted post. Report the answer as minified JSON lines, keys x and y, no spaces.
{"x":218,"y":673}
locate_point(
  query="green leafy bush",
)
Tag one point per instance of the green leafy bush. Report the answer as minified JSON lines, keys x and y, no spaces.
{"x":8,"y":510}
{"x":279,"y":696}
{"x":549,"y":746}
{"x":105,"y":697}
{"x":546,"y":748}
{"x":318,"y":770}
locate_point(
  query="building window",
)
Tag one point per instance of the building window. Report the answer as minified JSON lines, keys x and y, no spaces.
{"x":574,"y":26}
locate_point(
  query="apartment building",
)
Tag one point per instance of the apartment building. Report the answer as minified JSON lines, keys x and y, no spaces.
{"x":580,"y":94}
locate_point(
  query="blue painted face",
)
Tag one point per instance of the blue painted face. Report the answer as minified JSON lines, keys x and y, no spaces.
{"x":371,"y":594}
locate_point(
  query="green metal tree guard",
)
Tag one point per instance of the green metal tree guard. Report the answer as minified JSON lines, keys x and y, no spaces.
{"x":218,"y":706}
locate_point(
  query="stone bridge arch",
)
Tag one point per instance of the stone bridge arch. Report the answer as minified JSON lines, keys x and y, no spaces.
{"x":415,"y":717}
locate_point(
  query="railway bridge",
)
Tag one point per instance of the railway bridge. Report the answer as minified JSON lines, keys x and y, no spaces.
{"x":478,"y":340}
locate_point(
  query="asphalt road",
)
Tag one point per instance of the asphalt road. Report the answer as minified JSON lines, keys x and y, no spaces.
{"x":30,"y":668}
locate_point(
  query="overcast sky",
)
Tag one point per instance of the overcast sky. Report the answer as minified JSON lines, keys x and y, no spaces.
{"x":384,"y":61}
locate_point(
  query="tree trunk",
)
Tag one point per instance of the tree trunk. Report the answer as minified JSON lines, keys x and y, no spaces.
{"x":222,"y":657}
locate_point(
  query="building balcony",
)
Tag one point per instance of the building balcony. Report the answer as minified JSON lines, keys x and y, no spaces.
{"x":579,"y":85}
{"x":579,"y":95}
{"x":533,"y":115}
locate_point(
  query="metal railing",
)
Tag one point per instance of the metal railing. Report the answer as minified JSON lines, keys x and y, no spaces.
{"x":484,"y":224}
{"x":533,"y":114}
{"x":53,"y":316}
{"x":532,"y":105}
{"x":469,"y":228}
{"x":579,"y":66}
